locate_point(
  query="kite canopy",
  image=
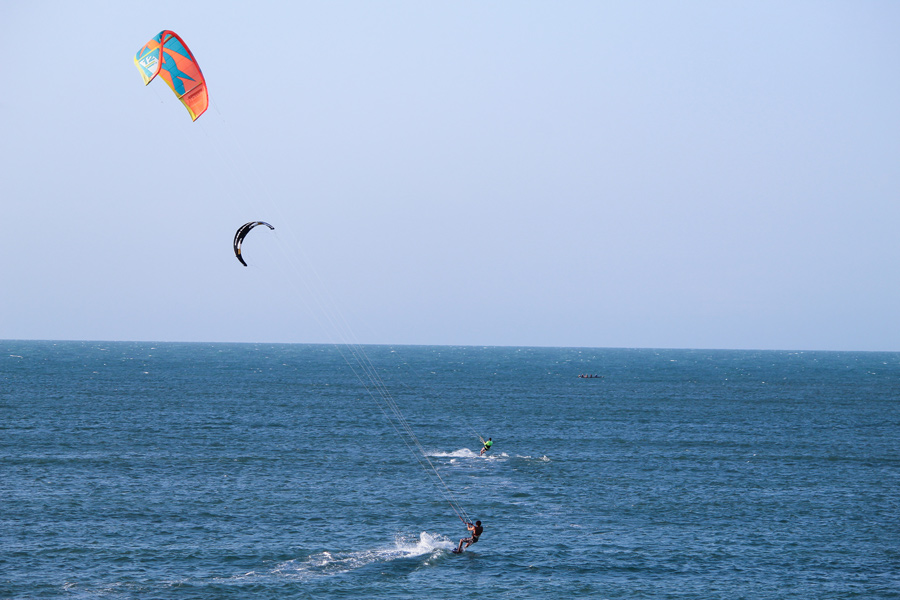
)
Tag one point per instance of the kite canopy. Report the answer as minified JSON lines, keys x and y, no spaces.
{"x":168,"y":56}
{"x":241,"y":233}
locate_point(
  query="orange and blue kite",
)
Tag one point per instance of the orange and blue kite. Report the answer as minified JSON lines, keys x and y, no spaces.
{"x":168,"y":56}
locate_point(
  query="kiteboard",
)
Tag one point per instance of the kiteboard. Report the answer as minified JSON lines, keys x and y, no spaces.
{"x":456,"y":551}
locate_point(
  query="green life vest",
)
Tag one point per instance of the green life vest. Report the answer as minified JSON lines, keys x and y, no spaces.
{"x":488,"y":444}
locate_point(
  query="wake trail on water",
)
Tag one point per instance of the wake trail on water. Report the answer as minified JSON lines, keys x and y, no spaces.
{"x":466,"y":453}
{"x":461,"y":453}
{"x":325,"y":564}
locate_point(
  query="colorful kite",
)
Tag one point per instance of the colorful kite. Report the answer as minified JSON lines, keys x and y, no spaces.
{"x":168,"y":56}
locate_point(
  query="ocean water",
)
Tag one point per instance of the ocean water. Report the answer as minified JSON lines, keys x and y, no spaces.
{"x":215,"y":471}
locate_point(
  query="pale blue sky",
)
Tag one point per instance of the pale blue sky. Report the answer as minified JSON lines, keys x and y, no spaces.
{"x":611,"y":174}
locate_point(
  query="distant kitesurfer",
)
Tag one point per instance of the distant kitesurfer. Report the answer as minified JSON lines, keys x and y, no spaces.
{"x":487,"y":446}
{"x":476,"y":530}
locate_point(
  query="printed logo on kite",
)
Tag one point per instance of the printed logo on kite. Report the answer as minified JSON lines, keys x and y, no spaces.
{"x":168,"y":56}
{"x":149,"y":62}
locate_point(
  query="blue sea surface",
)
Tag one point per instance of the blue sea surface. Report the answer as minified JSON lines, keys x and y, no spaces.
{"x":215,"y":471}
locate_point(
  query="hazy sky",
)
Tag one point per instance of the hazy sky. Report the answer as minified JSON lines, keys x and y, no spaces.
{"x":612,"y":174}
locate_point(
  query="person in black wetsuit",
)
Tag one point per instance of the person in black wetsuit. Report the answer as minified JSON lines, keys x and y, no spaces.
{"x":476,"y":530}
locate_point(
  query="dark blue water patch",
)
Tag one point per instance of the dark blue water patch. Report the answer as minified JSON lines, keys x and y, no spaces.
{"x":223,"y":470}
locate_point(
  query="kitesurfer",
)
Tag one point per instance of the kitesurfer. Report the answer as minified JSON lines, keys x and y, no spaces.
{"x":487,"y":446}
{"x":476,"y":530}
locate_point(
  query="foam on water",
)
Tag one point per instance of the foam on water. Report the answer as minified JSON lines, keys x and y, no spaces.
{"x":326,"y":563}
{"x":461,"y":453}
{"x":466,"y":453}
{"x":542,"y":458}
